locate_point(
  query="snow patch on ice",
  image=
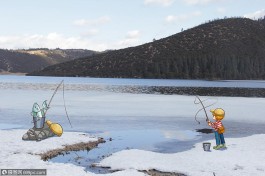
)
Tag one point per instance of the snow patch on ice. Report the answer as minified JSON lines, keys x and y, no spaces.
{"x":244,"y":156}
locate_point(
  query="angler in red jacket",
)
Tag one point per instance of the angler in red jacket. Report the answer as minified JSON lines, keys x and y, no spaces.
{"x":218,"y":115}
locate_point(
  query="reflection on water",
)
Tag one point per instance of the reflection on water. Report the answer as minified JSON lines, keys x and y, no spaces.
{"x":184,"y":135}
{"x":167,"y":140}
{"x":151,"y":140}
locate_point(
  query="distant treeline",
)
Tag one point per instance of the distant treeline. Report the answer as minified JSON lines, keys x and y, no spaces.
{"x":232,"y":48}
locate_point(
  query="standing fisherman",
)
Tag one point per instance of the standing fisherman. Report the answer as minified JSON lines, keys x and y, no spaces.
{"x":218,"y":115}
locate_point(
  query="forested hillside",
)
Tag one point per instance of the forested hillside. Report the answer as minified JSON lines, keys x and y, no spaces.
{"x":231,"y":48}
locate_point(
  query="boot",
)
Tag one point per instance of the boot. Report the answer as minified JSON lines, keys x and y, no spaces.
{"x":223,"y":146}
{"x":217,"y":147}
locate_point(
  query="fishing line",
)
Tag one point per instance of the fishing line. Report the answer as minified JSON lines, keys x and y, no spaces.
{"x":203,"y":108}
{"x":65,"y":108}
{"x":57,"y":88}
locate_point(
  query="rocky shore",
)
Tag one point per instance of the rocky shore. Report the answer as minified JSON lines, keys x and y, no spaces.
{"x":67,"y":148}
{"x":201,"y":91}
{"x":168,"y":90}
{"x":154,"y":172}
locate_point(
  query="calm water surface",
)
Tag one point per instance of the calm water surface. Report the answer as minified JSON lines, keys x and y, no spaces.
{"x":134,"y":82}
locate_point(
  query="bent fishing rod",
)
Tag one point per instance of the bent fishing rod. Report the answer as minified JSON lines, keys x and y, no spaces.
{"x":203,"y":108}
{"x":57,"y":88}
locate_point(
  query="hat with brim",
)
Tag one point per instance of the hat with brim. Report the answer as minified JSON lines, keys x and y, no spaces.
{"x":218,"y":112}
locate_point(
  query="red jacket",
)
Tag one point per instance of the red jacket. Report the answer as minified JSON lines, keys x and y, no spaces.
{"x":216,"y":125}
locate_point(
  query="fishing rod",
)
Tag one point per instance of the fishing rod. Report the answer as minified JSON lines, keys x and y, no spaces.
{"x":57,"y":88}
{"x":54,"y":93}
{"x":203,"y":108}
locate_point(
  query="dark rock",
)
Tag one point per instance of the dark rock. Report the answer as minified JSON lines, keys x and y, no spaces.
{"x":35,"y":134}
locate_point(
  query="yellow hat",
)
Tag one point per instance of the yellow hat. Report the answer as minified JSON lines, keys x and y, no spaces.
{"x":55,"y":128}
{"x":218,"y":112}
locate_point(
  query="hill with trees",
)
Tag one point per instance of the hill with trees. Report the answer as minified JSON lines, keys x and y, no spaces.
{"x":26,"y":61}
{"x":232,"y":48}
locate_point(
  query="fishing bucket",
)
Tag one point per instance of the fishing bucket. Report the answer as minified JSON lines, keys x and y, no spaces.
{"x":38,"y":122}
{"x":38,"y":119}
{"x":38,"y":114}
{"x":206,"y":146}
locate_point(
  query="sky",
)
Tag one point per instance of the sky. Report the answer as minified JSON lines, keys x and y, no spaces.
{"x":109,"y":24}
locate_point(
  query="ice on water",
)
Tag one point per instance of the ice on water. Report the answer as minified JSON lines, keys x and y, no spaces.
{"x":94,"y":107}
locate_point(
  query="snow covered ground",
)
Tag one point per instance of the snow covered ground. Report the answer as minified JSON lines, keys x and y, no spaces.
{"x":17,"y":154}
{"x":243,"y":157}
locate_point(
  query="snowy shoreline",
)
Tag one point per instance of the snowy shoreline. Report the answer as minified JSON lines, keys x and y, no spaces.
{"x":240,"y":158}
{"x":71,"y":147}
{"x":18,"y":154}
{"x":244,"y":156}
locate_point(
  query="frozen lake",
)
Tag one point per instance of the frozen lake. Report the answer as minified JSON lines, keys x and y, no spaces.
{"x":134,"y":82}
{"x":155,"y":122}
{"x":94,"y":108}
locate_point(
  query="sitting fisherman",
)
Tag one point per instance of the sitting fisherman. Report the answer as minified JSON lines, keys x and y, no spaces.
{"x":42,"y":129}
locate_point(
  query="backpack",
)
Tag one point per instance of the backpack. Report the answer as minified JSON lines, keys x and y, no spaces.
{"x":221,"y":130}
